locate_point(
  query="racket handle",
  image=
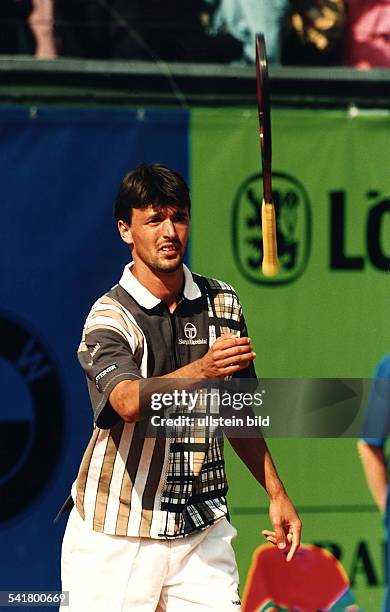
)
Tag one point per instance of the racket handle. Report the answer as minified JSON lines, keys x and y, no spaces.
{"x":270,"y":265}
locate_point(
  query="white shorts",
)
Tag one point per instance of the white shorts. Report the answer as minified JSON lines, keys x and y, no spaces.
{"x":106,"y":573}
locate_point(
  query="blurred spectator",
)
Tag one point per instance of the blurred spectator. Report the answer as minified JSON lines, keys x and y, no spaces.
{"x":313,"y":32}
{"x":172,"y":30}
{"x":368,"y":34}
{"x":243,"y":19}
{"x":15,"y":35}
{"x":373,"y":455}
{"x":41,"y":22}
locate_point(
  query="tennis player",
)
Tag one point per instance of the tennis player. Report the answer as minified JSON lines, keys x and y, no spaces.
{"x":372,"y":452}
{"x":149,"y":529}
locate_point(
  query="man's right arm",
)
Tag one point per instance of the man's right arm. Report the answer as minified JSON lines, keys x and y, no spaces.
{"x":375,"y":469}
{"x":228,"y":355}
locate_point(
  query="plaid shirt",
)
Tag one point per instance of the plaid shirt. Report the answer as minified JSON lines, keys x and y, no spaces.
{"x":130,"y":483}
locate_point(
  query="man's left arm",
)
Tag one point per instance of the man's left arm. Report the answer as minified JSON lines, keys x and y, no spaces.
{"x":284,"y":518}
{"x":254,"y":453}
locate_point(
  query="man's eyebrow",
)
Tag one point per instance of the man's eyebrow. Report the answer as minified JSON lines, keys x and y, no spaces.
{"x":176,"y":212}
{"x":153,"y":213}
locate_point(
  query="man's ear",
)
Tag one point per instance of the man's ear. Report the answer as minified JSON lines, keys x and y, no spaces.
{"x":125,"y":232}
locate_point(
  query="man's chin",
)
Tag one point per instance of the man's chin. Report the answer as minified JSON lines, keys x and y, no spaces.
{"x":167,"y":266}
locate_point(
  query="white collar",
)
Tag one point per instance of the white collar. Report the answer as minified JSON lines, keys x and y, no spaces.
{"x":146,"y":299}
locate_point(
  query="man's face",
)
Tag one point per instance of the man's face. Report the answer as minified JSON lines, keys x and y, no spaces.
{"x":158,"y":236}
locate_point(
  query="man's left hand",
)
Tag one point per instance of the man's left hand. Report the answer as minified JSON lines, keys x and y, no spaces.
{"x":286,"y":523}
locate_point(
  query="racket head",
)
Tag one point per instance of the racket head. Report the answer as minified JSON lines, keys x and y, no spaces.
{"x":263,"y":103}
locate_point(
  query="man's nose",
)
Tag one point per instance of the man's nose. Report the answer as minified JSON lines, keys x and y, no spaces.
{"x":169,"y":228}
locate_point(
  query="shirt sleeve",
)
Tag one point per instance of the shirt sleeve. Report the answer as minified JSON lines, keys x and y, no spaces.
{"x":107,"y":357}
{"x":376,"y":426}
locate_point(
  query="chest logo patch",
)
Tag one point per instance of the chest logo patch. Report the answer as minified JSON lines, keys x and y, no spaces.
{"x":190,"y":332}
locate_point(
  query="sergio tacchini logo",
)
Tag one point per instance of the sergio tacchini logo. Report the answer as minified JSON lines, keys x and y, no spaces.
{"x":190,"y":333}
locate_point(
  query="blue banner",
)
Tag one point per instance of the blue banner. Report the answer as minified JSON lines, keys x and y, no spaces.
{"x":60,"y":250}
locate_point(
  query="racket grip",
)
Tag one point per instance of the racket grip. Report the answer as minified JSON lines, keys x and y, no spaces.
{"x":270,"y":266}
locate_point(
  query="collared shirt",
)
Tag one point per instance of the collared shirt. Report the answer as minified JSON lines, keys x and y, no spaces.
{"x":130,"y":483}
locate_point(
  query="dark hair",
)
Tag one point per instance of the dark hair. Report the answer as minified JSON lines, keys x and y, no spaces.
{"x":150,"y":184}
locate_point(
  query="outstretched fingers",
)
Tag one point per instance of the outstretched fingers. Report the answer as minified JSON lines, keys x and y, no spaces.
{"x":291,"y":538}
{"x":271,"y":536}
{"x":295,"y":535}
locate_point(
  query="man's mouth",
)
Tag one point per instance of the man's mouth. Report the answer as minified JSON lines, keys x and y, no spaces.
{"x":169,"y":248}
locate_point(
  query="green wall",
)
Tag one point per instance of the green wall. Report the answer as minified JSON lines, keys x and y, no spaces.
{"x":330,"y":315}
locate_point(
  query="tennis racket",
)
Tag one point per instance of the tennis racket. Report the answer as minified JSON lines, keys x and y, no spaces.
{"x":270,"y":265}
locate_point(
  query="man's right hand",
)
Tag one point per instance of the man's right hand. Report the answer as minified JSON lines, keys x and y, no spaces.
{"x":228,"y":354}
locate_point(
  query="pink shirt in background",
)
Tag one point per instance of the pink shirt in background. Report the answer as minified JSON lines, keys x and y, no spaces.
{"x":367,"y":43}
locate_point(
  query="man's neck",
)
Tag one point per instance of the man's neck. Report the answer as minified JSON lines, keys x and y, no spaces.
{"x":167,"y":287}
